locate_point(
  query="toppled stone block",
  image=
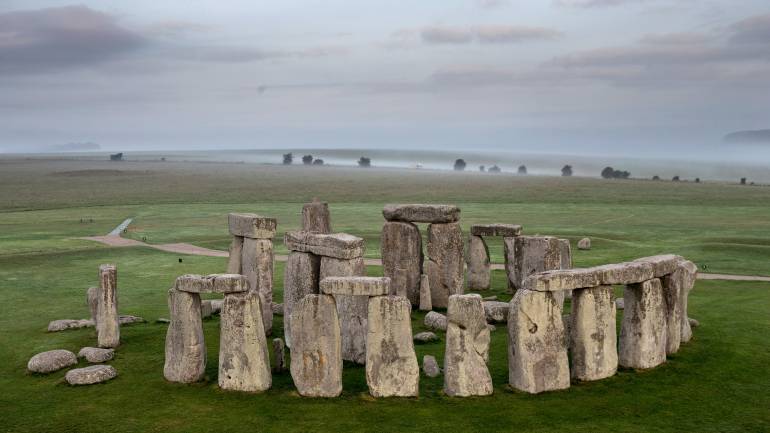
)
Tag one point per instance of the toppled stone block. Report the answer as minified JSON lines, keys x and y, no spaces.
{"x":425,"y":337}
{"x":215,"y":283}
{"x":643,"y":330}
{"x":91,"y":375}
{"x":401,"y":248}
{"x":422,"y":213}
{"x":445,"y":265}
{"x":206,"y":310}
{"x":467,"y":348}
{"x":478,"y":274}
{"x":244,"y":363}
{"x":356,"y":286}
{"x":391,"y":364}
{"x":584,"y":244}
{"x":316,"y":217}
{"x":435,"y":321}
{"x":593,"y":334}
{"x":337,"y":245}
{"x":316,"y":361}
{"x":430,"y":366}
{"x":216,"y":305}
{"x":504,"y":230}
{"x":300,"y":278}
{"x":96,"y":354}
{"x":496,"y":311}
{"x":277,"y":309}
{"x":52,"y":360}
{"x":63,"y":324}
{"x":249,"y":225}
{"x":566,"y":279}
{"x":663,"y":264}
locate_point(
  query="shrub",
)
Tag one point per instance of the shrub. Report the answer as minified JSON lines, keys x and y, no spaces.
{"x":675,"y":179}
{"x":318,"y":161}
{"x":611,"y":173}
{"x":494,"y":169}
{"x":656,"y":177}
{"x":307,"y":159}
{"x":460,"y":164}
{"x":364,"y":162}
{"x":482,"y":168}
{"x":743,"y":181}
{"x":566,"y":170}
{"x":522,"y":169}
{"x":288,"y":158}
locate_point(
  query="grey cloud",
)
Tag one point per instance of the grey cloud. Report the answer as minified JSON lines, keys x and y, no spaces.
{"x":172,"y":28}
{"x":753,"y":30}
{"x":684,"y":38}
{"x":488,"y":34}
{"x":491,"y":4}
{"x":446,"y":35}
{"x":594,"y":3}
{"x":226,"y":54}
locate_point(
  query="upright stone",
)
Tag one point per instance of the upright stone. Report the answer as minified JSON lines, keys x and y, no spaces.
{"x":279,"y":352}
{"x":467,"y":348}
{"x":316,"y":361}
{"x":236,"y":253}
{"x":565,"y":250}
{"x":315,"y":217}
{"x":690,"y":274}
{"x":478,"y":264}
{"x":672,"y":302}
{"x":643,"y":329}
{"x":107,"y":325}
{"x":352,"y":310}
{"x":244,"y":363}
{"x":185,"y":347}
{"x":300,"y":278}
{"x":401,"y":249}
{"x":533,"y":254}
{"x":593,"y":339}
{"x":257,"y":267}
{"x":92,"y":299}
{"x":537,"y":349}
{"x":391,"y":363}
{"x":445,"y":262}
{"x":509,"y":253}
{"x":425,"y":301}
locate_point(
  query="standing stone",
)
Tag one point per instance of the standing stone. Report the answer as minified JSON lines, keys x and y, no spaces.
{"x":584,"y":244}
{"x":316,"y":361}
{"x":593,"y":334}
{"x":467,"y":348}
{"x":257,"y":267}
{"x":92,"y":299}
{"x":445,"y":262}
{"x":185,"y":347}
{"x":537,"y":350}
{"x":244,"y":363}
{"x":300,"y":278}
{"x":643,"y":329}
{"x":236,"y":252}
{"x":352,"y":310}
{"x":107,"y":325}
{"x":430,"y":366}
{"x":672,"y":302}
{"x":566,"y":254}
{"x":206,"y":309}
{"x":509,"y":252}
{"x":401,"y":249}
{"x":391,"y":364}
{"x":533,"y":254}
{"x":496,"y":311}
{"x":315,"y":217}
{"x":279,"y":352}
{"x":478,"y":264}
{"x":425,"y":302}
{"x":690,"y":273}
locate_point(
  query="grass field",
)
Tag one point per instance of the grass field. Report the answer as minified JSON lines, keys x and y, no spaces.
{"x":718,"y":382}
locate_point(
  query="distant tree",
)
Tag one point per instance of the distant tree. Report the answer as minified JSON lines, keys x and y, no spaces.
{"x":656,"y":177}
{"x":307,"y":159}
{"x":364,"y":162}
{"x":494,"y":169}
{"x":743,"y":181}
{"x":460,"y":164}
{"x":288,"y":158}
{"x":566,"y":170}
{"x":482,"y":168}
{"x":697,"y":180}
{"x":522,"y":169}
{"x":617,"y":174}
{"x":608,"y":173}
{"x":318,"y":161}
{"x":116,"y":157}
{"x":675,"y":178}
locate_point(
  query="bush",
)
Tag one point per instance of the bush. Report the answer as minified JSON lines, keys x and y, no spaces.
{"x":611,"y":173}
{"x":482,"y":168}
{"x":522,"y":169}
{"x":675,"y":179}
{"x":566,"y":170}
{"x":288,"y":158}
{"x":364,"y":162}
{"x":743,"y":181}
{"x":697,"y":180}
{"x":494,"y":169}
{"x":307,"y":159}
{"x":460,"y":164}
{"x":656,"y":177}
{"x":318,"y":161}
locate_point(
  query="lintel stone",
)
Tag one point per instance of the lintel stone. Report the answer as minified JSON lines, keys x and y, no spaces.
{"x":336,"y":245}
{"x":214,"y":283}
{"x":250,"y":225}
{"x":564,"y":279}
{"x":422,"y":213}
{"x":504,"y":230}
{"x":356,"y":286}
{"x":663,"y":264}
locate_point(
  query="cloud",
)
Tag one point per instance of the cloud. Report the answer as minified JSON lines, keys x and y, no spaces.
{"x":446,"y":35}
{"x":594,"y":3}
{"x":48,"y":40}
{"x":683,"y":38}
{"x":752,"y":30}
{"x":487,"y":34}
{"x":173,"y":28}
{"x":491,"y":4}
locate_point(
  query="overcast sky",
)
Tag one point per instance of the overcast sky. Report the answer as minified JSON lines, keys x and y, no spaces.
{"x":637,"y":77}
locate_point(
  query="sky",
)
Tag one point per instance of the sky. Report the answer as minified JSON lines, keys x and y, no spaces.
{"x":660,"y":78}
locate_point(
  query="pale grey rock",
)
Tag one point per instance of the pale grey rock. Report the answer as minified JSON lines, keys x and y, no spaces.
{"x":316,"y":353}
{"x":690,"y":273}
{"x":277,"y":309}
{"x":206,"y":310}
{"x":300,"y":279}
{"x":337,"y":245}
{"x":128,"y":319}
{"x":214,"y":283}
{"x":478,"y":274}
{"x":693,"y":322}
{"x":352,"y":310}
{"x":234,"y":258}
{"x":566,"y":254}
{"x":673,"y":286}
{"x":257,"y":267}
{"x":52,"y":360}
{"x":391,"y":364}
{"x":509,"y":254}
{"x":316,"y":217}
{"x":534,"y":254}
{"x":537,"y":347}
{"x":185,"y":346}
{"x":64,"y":324}
{"x":445,"y":263}
{"x":425,"y":337}
{"x":401,"y":249}
{"x":162,"y":320}
{"x":279,"y":352}
{"x":244,"y":362}
{"x":663,"y":264}
{"x":489,"y":298}
{"x":430,"y":366}
{"x":249,"y":225}
{"x":504,"y":230}
{"x":356,"y":286}
{"x":467,"y":348}
{"x":624,"y":273}
{"x":559,"y":280}
{"x":435,"y":321}
{"x":496,"y":311}
{"x":584,"y":244}
{"x":216,"y":305}
{"x":593,"y":334}
{"x":492,"y":328}
{"x":422,"y":213}
{"x":92,"y":299}
{"x":91,"y":375}
{"x":643,"y":329}
{"x":107,"y":324}
{"x":425,"y":301}
{"x":96,"y":354}
{"x":620,"y":304}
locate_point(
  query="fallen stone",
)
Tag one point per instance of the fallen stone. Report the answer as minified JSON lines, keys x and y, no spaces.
{"x":435,"y":321}
{"x":316,"y":361}
{"x":593,"y":335}
{"x":445,"y":265}
{"x":63,"y":324}
{"x":430,"y":366}
{"x":467,"y":348}
{"x":489,"y":298}
{"x":279,"y":352}
{"x":421,"y":213}
{"x":693,"y":323}
{"x":643,"y":329}
{"x":401,"y":250}
{"x":391,"y":364}
{"x":496,"y":311}
{"x":234,"y":265}
{"x":257,"y":263}
{"x":624,"y":273}
{"x":566,"y":279}
{"x":128,"y":319}
{"x":244,"y":362}
{"x":96,"y":354}
{"x":478,"y":273}
{"x":504,"y":230}
{"x":300,"y":278}
{"x":249,"y":225}
{"x":338,"y":245}
{"x":162,"y":320}
{"x":185,"y":346}
{"x":356,"y":286}
{"x":584,"y":244}
{"x":107,"y":324}
{"x":277,"y":309}
{"x":425,"y":301}
{"x":316,"y":217}
{"x":352,"y":310}
{"x":663,"y":264}
{"x":52,"y":360}
{"x":215,"y":283}
{"x":425,"y":337}
{"x":90,"y":375}
{"x":533,"y":254}
{"x":619,"y":303}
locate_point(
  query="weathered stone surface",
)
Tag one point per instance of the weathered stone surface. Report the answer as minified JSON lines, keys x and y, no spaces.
{"x":673,"y":286}
{"x":430,"y":366}
{"x":643,"y":329}
{"x":496,"y":311}
{"x":693,"y":322}
{"x":566,"y":254}
{"x":467,"y":348}
{"x":216,"y":305}
{"x":352,"y":310}
{"x":391,"y":364}
{"x":277,"y":309}
{"x":236,"y":253}
{"x":435,"y":321}
{"x":128,"y":319}
{"x":445,"y":263}
{"x":479,"y":274}
{"x":257,"y":267}
{"x":206,"y":310}
{"x":593,"y":335}
{"x":92,"y":300}
{"x":91,"y":375}
{"x":422,"y":213}
{"x":244,"y":362}
{"x":620,"y":303}
{"x":52,"y":360}
{"x":492,"y":328}
{"x":537,"y":350}
{"x":425,"y":301}
{"x":316,"y":217}
{"x":96,"y":354}
{"x":663,"y":264}
{"x":185,"y":347}
{"x":533,"y":254}
{"x":316,"y":355}
{"x":509,"y":254}
{"x":107,"y":325}
{"x":688,"y":282}
{"x":584,"y":244}
{"x":401,"y":250}
{"x":504,"y":230}
{"x":279,"y":353}
{"x":300,"y":278}
{"x":62,"y":324}
{"x":566,"y":279}
{"x":337,"y":245}
{"x":489,"y":298}
{"x":624,"y":273}
{"x":425,"y":337}
{"x":215,"y":283}
{"x":356,"y":286}
{"x":249,"y":225}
